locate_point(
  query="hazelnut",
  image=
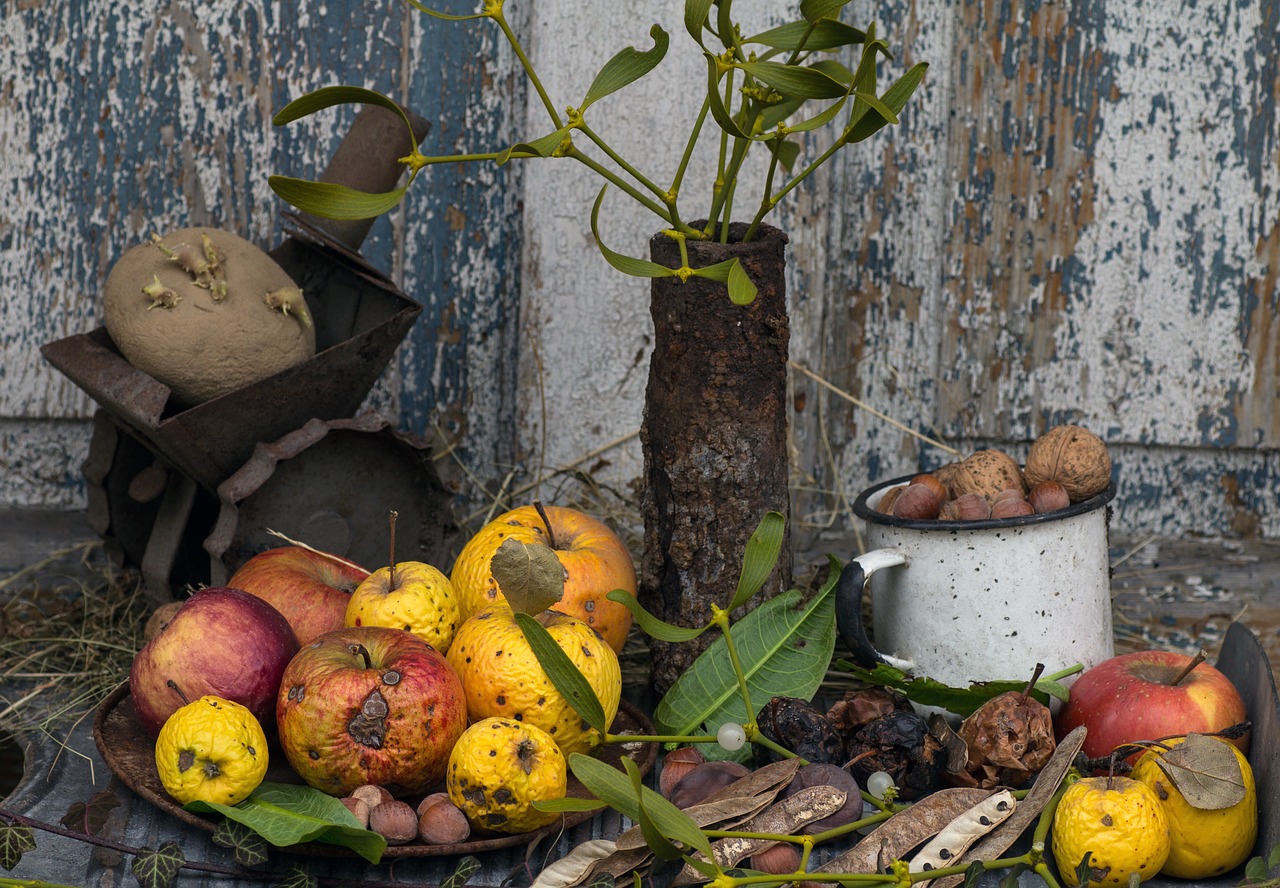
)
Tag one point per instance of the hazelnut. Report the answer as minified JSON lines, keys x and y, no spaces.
{"x":371,"y":795}
{"x":1009,"y":493}
{"x":1011,"y":508}
{"x":888,"y":498}
{"x":986,"y":472}
{"x":1048,"y":496}
{"x":395,"y":821}
{"x":970,"y":507}
{"x":777,"y":860}
{"x":931,"y":481}
{"x":441,"y":822}
{"x":675,"y":764}
{"x":918,"y":502}
{"x":1074,"y":457}
{"x":359,"y":809}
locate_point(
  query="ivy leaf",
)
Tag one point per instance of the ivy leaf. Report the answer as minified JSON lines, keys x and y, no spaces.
{"x":157,"y":869}
{"x":659,"y":629}
{"x":1206,"y":772}
{"x":14,"y":842}
{"x":784,"y":644}
{"x":530,"y":575}
{"x":91,"y":817}
{"x":612,"y":787}
{"x":462,"y":873}
{"x":249,"y":847}
{"x":567,"y":678}
{"x":298,"y":878}
{"x":930,"y":692}
{"x":626,"y":67}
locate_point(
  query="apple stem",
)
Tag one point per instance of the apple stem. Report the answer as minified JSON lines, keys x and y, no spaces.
{"x":173,"y":684}
{"x":391,"y":569}
{"x":1035,"y":677}
{"x":1195,"y":661}
{"x":546,"y":522}
{"x":363,"y":653}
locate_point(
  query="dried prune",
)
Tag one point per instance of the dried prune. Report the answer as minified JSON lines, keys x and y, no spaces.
{"x":828,"y":775}
{"x":802,"y":728}
{"x":900,"y":745}
{"x":1009,"y":740}
{"x":857,"y":707}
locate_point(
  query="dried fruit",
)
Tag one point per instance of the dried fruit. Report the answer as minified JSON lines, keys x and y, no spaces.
{"x":395,"y":821}
{"x":900,"y":745}
{"x":704,"y":780}
{"x":1009,"y":738}
{"x":857,"y":707}
{"x":802,"y":728}
{"x":833,"y":776}
{"x":1074,"y":457}
{"x":917,"y":502}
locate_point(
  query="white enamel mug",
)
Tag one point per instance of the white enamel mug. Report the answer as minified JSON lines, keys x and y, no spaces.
{"x":966,"y":601}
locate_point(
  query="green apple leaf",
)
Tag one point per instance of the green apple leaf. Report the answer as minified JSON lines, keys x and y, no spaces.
{"x":286,"y":814}
{"x":784,"y":644}
{"x":566,"y":677}
{"x":530,"y":575}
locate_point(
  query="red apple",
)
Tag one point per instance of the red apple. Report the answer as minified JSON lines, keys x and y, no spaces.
{"x":310,"y":588}
{"x":223,"y":642}
{"x":1134,"y":697}
{"x":370,"y":705}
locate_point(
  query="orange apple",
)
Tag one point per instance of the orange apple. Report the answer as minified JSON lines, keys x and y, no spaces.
{"x":595,"y":562}
{"x":310,"y":588}
{"x":1149,"y":695}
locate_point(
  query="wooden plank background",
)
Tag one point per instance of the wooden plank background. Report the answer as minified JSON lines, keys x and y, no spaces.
{"x":1075,"y":221}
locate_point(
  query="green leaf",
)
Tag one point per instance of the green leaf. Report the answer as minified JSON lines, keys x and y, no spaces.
{"x":658,"y":843}
{"x":249,"y":847}
{"x":785,"y":646}
{"x":329,"y":96}
{"x":541,"y":147}
{"x":624,"y":264}
{"x":813,"y":10}
{"x":418,"y":5}
{"x":719,"y":112}
{"x":760,"y":557}
{"x":156,"y":869}
{"x":298,"y":878}
{"x":653,"y":626}
{"x":741,"y":289}
{"x":626,"y":67}
{"x":568,"y":804}
{"x":1273,"y":859}
{"x":333,"y":201}
{"x":567,"y":678}
{"x":530,"y":575}
{"x":824,"y":35}
{"x":962,"y":701}
{"x":286,"y":814}
{"x":614,"y":789}
{"x":1256,"y":870}
{"x":894,"y":98}
{"x":462,"y":873}
{"x":695,"y":18}
{"x":792,"y":80}
{"x":14,"y":842}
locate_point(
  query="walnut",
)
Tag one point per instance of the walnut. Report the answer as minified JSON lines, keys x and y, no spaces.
{"x":986,"y":472}
{"x":1074,"y":457}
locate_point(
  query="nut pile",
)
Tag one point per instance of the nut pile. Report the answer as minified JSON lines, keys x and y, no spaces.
{"x":1065,"y":465}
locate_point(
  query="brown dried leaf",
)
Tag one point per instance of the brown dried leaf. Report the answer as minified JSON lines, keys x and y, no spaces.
{"x":530,"y":575}
{"x":956,"y":749}
{"x":1205,"y":771}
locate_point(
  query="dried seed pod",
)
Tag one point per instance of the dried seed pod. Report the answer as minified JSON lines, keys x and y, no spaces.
{"x":802,"y":728}
{"x":705,"y":779}
{"x":833,"y":776}
{"x":1010,"y":739}
{"x":917,"y":502}
{"x":1048,"y":496}
{"x":900,"y":745}
{"x":1074,"y":457}
{"x":1011,"y":508}
{"x":863,"y":705}
{"x":970,"y":507}
{"x":676,"y":764}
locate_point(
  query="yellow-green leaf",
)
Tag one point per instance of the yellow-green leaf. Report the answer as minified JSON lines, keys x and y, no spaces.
{"x":530,"y":575}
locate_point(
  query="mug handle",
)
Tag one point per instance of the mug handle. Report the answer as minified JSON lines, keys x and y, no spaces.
{"x":849,"y":591}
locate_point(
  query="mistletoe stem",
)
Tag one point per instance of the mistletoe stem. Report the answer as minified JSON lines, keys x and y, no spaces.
{"x":639,"y":197}
{"x":498,"y":17}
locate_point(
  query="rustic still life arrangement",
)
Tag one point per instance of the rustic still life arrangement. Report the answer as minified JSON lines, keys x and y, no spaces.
{"x":312,"y":702}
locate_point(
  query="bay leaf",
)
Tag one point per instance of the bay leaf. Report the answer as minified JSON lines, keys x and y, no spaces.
{"x":1205,"y":771}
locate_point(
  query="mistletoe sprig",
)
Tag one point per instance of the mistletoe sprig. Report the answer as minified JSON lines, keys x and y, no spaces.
{"x":767,"y":89}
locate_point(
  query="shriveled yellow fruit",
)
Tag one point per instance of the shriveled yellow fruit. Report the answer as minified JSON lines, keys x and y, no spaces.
{"x":212,"y":750}
{"x":1119,"y":822}
{"x":595,"y":562}
{"x":497,"y":770}
{"x":1203,"y":843}
{"x":417,"y":598}
{"x":502,"y":677}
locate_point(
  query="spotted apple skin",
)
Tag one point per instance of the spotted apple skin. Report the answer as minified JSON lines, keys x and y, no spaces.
{"x":369,"y":704}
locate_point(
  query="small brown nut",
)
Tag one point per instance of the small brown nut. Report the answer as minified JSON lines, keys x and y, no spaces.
{"x":917,"y":502}
{"x":970,"y":507}
{"x":675,"y":764}
{"x":1009,"y":493}
{"x":704,"y":780}
{"x":441,"y":822}
{"x":359,"y":809}
{"x":371,"y":795}
{"x":395,"y":821}
{"x":1011,"y":508}
{"x":1048,"y":496}
{"x":1074,"y":457}
{"x":931,"y":481}
{"x":777,"y":860}
{"x":887,"y":500}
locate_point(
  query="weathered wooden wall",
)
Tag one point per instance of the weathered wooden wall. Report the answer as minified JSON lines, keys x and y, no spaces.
{"x":1076,"y":221}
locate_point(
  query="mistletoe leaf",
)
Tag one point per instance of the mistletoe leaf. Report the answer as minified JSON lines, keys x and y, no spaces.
{"x":90,"y":817}
{"x":609,"y":785}
{"x":333,"y":201}
{"x":826,"y":34}
{"x":530,"y":575}
{"x":462,"y":873}
{"x":566,"y":677}
{"x":14,"y":842}
{"x":627,"y":66}
{"x":157,"y":869}
{"x":760,"y":557}
{"x":1206,"y":772}
{"x":623,"y":263}
{"x":659,"y":629}
{"x":249,"y":847}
